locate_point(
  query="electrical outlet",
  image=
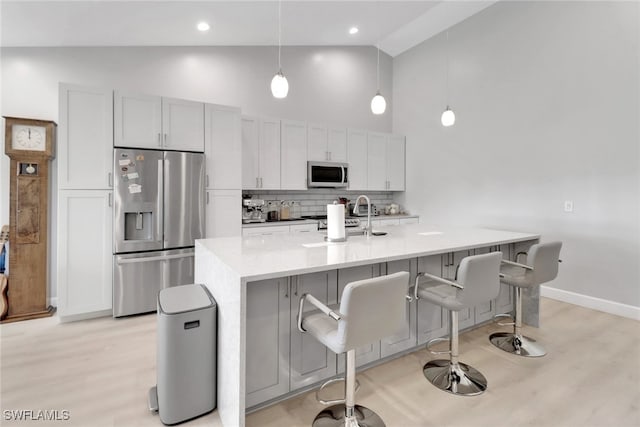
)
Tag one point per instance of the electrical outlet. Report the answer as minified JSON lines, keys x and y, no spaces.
{"x":568,"y":205}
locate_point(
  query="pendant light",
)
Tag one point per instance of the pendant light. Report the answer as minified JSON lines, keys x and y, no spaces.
{"x":378,"y":103}
{"x":279,"y":83}
{"x":448,"y":117}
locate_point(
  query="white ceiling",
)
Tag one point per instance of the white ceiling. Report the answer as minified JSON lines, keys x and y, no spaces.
{"x":399,"y":25}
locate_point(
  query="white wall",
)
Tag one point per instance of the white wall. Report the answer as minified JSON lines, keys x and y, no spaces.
{"x":546,"y":97}
{"x":327,"y":84}
{"x":331,"y":85}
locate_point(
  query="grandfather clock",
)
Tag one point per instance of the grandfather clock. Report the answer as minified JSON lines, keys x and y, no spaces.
{"x":30,"y":146}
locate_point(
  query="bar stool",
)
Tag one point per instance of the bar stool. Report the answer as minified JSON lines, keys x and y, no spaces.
{"x":541,"y":265}
{"x":370,"y":310}
{"x":477,"y":281}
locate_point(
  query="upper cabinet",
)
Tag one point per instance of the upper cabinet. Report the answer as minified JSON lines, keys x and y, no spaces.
{"x":146,"y":121}
{"x":326,"y":144}
{"x":260,"y":153}
{"x":223,"y":147}
{"x":85,"y":138}
{"x":293,"y":155}
{"x":357,"y":159}
{"x":386,"y":162}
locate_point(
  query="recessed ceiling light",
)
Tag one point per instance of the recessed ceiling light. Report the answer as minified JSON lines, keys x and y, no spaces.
{"x":353,"y":30}
{"x":203,"y":26}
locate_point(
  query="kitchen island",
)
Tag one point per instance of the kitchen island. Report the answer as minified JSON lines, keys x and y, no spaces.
{"x":258,"y":280}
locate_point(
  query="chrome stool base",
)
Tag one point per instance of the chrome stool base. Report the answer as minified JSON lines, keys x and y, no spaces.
{"x":462,"y":380}
{"x":519,"y":345}
{"x":335,"y":416}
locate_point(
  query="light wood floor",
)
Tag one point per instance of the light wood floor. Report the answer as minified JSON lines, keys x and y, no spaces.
{"x":100,"y":371}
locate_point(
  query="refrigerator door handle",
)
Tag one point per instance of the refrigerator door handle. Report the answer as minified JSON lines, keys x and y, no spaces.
{"x":153,"y":258}
{"x":159,"y":203}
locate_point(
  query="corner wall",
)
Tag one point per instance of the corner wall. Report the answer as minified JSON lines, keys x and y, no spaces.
{"x":546,"y":96}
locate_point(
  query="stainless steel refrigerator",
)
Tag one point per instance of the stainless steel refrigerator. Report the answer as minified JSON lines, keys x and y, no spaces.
{"x":159,"y":211}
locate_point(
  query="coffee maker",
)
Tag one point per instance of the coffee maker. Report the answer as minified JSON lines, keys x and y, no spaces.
{"x":252,"y":211}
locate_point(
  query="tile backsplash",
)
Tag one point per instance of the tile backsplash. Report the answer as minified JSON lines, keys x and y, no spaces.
{"x":314,"y":201}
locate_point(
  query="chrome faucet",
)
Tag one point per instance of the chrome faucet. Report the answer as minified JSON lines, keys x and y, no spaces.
{"x":356,"y":211}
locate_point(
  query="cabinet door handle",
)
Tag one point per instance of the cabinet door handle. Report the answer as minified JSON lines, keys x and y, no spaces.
{"x":207,"y":180}
{"x":110,"y":176}
{"x":329,"y":155}
{"x":110,"y":199}
{"x":260,"y":182}
{"x":165,"y":140}
{"x":257,"y":182}
{"x":159,"y":141}
{"x":207,"y":197}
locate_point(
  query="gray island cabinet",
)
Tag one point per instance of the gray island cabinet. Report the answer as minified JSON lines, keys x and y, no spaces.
{"x":258,"y":280}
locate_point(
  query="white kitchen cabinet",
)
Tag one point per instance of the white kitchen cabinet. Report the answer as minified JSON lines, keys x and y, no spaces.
{"x":223,"y":213}
{"x":260,"y":153}
{"x":385,"y":162}
{"x":406,"y":221}
{"x":317,"y":138}
{"x":326,"y":144}
{"x":396,"y":163}
{"x":266,"y":230}
{"x":85,"y":138}
{"x":376,"y":161}
{"x":357,"y":159}
{"x":147,"y":121}
{"x":267,"y":341}
{"x":406,"y":337}
{"x":311,"y":361}
{"x":223,"y":147}
{"x":293,"y":155}
{"x":385,"y":222}
{"x":84,"y":266}
{"x":303,"y":228}
{"x":370,"y":352}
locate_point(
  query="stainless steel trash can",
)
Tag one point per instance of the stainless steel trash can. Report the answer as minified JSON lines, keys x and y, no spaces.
{"x":186,"y":358}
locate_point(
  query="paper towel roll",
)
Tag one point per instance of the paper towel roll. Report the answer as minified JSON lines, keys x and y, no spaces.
{"x":335,"y":221}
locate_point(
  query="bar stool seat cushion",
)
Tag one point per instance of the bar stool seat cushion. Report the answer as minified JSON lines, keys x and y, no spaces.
{"x":324,"y":329}
{"x":440,"y":294}
{"x":515,"y":276}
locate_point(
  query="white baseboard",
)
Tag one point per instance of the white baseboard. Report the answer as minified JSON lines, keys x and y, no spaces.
{"x":612,"y":307}
{"x":85,"y":316}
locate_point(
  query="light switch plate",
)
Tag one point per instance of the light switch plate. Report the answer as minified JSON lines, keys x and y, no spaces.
{"x":568,"y":205}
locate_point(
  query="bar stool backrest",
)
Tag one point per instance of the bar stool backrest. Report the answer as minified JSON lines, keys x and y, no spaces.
{"x":480,"y":276}
{"x":372,"y":309}
{"x":544,"y":257}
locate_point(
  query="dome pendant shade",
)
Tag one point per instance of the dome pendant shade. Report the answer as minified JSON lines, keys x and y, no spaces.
{"x":378,"y":104}
{"x":279,"y":85}
{"x":448,"y":117}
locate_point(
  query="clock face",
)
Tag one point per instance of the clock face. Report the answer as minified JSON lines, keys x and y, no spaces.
{"x":33,"y":138}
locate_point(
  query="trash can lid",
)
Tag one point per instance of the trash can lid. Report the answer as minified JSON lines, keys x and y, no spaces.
{"x":179,"y":299}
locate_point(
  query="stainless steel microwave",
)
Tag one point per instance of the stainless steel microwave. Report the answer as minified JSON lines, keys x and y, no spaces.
{"x":327,"y":174}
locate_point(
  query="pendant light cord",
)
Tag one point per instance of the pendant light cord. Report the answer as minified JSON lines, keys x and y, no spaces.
{"x":447,"y":69}
{"x":378,"y":45}
{"x":279,"y":33}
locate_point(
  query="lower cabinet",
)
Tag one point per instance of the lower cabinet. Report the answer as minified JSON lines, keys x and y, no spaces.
{"x":84,"y":270}
{"x":223,"y":213}
{"x":280,"y":359}
{"x":451,"y":262}
{"x":406,"y":338}
{"x":371,"y":352}
{"x":267,"y":340}
{"x":432,"y":320}
{"x":311,"y":361}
